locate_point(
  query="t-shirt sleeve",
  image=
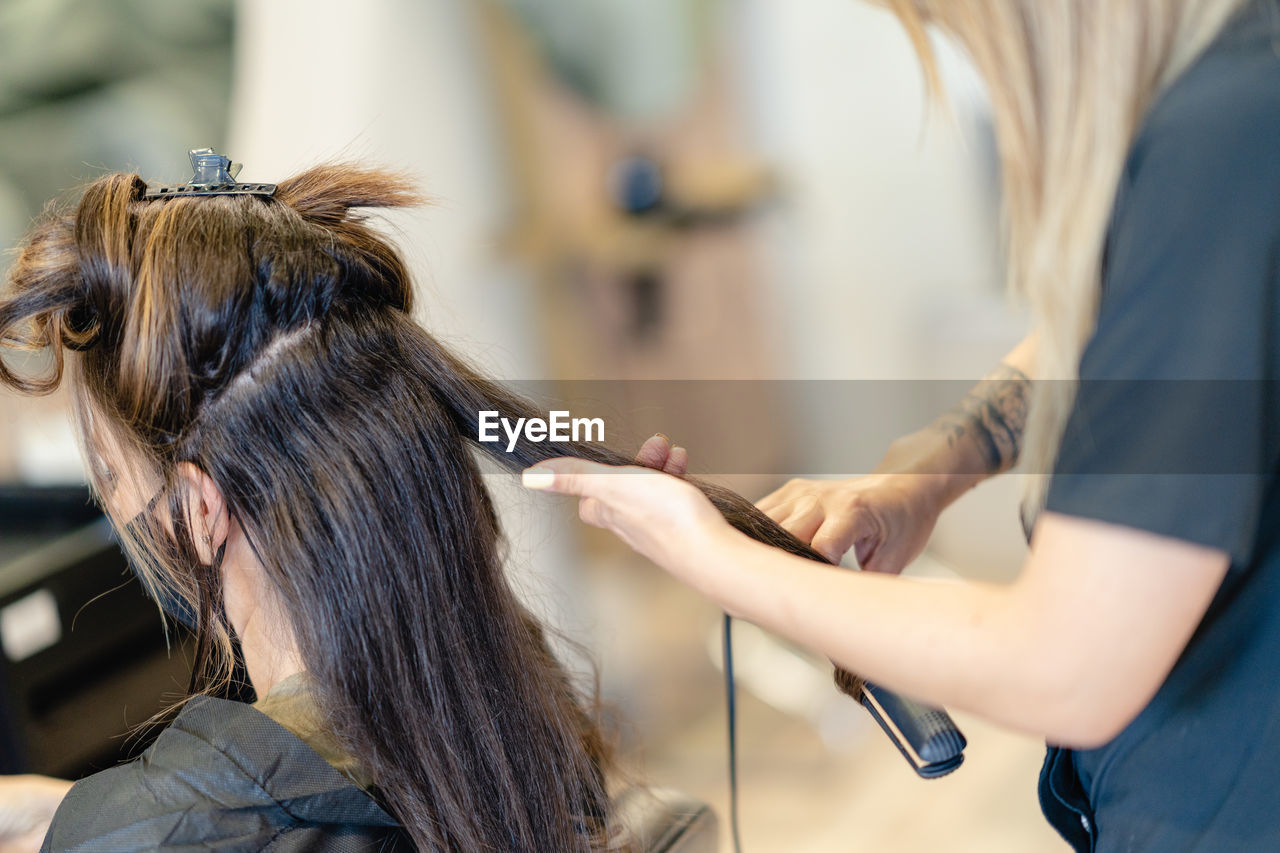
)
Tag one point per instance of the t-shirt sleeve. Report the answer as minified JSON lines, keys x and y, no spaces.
{"x":1174,"y":428}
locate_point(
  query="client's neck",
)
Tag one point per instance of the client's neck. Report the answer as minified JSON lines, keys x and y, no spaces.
{"x":268,"y":663}
{"x":252,"y":604}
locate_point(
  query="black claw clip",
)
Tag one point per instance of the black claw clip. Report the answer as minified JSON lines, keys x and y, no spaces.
{"x":213,"y":175}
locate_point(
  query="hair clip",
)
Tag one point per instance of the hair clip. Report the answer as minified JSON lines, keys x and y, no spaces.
{"x":213,"y":175}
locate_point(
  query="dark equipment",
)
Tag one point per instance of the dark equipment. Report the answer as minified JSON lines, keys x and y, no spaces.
{"x":84,"y":658}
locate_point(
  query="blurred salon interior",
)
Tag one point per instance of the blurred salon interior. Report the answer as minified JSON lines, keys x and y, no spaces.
{"x":752,"y":198}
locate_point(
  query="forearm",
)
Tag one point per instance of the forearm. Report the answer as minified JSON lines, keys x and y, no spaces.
{"x":979,"y":437}
{"x":967,"y":646}
{"x":1072,"y":650}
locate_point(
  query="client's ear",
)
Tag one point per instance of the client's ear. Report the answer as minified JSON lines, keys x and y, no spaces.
{"x":207,"y":516}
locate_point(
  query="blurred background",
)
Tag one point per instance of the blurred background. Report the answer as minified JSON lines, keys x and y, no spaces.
{"x":637,"y":193}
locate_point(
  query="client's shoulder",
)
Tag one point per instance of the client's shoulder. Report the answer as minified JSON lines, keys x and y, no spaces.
{"x":222,"y":776}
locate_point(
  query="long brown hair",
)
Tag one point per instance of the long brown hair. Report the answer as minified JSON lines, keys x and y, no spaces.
{"x":269,"y":343}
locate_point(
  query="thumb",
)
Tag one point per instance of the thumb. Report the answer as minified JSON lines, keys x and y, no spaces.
{"x":677,"y":462}
{"x":834,"y":538}
{"x":655,"y":452}
{"x":567,"y":475}
{"x":867,"y":535}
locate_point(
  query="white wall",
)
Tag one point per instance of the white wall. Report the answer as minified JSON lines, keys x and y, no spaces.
{"x":890,"y":199}
{"x":886,"y":248}
{"x":396,"y":83}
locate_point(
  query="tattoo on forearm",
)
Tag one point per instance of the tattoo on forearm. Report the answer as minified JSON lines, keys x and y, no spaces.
{"x":993,"y":415}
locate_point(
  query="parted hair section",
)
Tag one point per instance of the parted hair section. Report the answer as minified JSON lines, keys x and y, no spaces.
{"x":269,"y":343}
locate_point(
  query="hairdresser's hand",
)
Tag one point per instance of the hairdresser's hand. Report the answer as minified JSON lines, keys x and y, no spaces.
{"x":885,"y":518}
{"x":658,"y":453}
{"x":660,"y":516}
{"x":27,"y":804}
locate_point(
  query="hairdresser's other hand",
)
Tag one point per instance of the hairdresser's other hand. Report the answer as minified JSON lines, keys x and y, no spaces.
{"x":885,"y":518}
{"x":658,"y":453}
{"x":27,"y":804}
{"x":660,"y":516}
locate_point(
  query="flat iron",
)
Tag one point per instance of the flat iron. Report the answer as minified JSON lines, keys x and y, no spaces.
{"x":927,"y":737}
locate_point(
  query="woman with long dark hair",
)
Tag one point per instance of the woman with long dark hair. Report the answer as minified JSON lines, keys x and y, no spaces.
{"x":288,"y":457}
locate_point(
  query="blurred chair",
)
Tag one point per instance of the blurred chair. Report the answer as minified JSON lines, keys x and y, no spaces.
{"x":660,"y":820}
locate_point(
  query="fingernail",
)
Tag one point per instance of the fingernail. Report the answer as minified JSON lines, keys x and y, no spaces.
{"x":662,"y":436}
{"x":538,"y":478}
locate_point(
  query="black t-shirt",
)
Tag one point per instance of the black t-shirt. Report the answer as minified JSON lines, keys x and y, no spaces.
{"x":1176,"y":431}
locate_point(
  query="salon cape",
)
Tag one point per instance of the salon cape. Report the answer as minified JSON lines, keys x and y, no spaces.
{"x":223,"y":776}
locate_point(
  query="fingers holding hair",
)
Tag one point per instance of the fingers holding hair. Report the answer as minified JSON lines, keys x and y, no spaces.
{"x":659,"y":453}
{"x":655,"y":513}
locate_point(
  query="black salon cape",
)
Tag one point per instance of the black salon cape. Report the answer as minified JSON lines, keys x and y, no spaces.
{"x":224,"y":777}
{"x":1176,"y":431}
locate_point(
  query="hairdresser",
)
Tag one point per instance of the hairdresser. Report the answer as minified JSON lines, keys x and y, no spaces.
{"x":1139,"y":149}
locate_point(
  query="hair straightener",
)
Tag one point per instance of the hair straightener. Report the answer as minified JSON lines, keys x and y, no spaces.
{"x":927,"y":737}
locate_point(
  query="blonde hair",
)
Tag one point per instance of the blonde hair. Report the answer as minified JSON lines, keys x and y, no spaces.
{"x":1070,"y":82}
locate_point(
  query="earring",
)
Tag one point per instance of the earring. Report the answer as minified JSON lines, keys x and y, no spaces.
{"x":206,"y":539}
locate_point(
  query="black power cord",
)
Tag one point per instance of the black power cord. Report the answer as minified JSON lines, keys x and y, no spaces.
{"x":927,"y":737}
{"x":731,"y":709}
